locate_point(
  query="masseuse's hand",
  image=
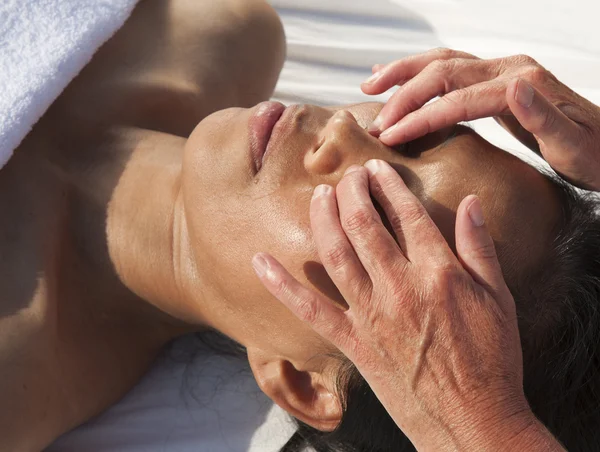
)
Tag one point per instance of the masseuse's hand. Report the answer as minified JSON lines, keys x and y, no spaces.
{"x":525,"y":98}
{"x":436,"y":338}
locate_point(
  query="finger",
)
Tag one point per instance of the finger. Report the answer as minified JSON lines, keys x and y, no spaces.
{"x":543,"y":119}
{"x":372,"y":242}
{"x":437,"y":79}
{"x":478,"y":101}
{"x":335,"y":251}
{"x":323,"y":316}
{"x":418,"y":236}
{"x":476,"y":250}
{"x":400,"y":71}
{"x":514,"y":127}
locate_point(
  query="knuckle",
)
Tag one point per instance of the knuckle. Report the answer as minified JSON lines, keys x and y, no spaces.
{"x":409,"y":212}
{"x":484,"y":251}
{"x":389,"y":186}
{"x":536,"y":75}
{"x":522,"y":60}
{"x":357,"y":221}
{"x":377,"y":190}
{"x":547,"y":121}
{"x":457,"y":102}
{"x":443,"y":52}
{"x":396,"y":222}
{"x":445,"y":278}
{"x":281,"y":287}
{"x":441,"y":68}
{"x":337,"y":256}
{"x":399,"y":293}
{"x":458,"y":96}
{"x":308,"y":310}
{"x":457,"y":99}
{"x":363,"y":288}
{"x":360,"y":287}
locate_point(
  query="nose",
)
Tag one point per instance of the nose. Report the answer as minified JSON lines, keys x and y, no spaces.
{"x":335,"y":144}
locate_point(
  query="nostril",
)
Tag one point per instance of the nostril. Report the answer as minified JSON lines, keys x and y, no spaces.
{"x":333,"y":143}
{"x":319,"y":144}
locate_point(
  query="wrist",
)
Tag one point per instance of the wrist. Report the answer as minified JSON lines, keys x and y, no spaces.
{"x":504,"y":428}
{"x":534,"y":437}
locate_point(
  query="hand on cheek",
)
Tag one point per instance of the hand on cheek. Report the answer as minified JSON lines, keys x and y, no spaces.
{"x":435,"y":337}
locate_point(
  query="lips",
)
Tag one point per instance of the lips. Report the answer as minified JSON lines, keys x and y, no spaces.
{"x":261,"y":126}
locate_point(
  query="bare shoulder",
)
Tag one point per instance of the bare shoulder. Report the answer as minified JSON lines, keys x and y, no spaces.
{"x":243,"y":41}
{"x":176,"y":61}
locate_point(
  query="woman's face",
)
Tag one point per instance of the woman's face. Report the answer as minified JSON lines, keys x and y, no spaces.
{"x":234,"y":210}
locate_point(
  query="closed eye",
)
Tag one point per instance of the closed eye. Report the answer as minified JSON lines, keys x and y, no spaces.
{"x":406,"y":150}
{"x":434,"y":141}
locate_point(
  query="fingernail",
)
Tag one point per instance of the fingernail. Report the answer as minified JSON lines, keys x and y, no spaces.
{"x":374,"y":166}
{"x":373,"y":78}
{"x":375,"y":125}
{"x":351,"y":169}
{"x":524,"y":94}
{"x":322,"y":190}
{"x":261,"y":266}
{"x":475,"y":213}
{"x":387,"y":132}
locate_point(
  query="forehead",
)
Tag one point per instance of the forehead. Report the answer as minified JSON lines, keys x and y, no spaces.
{"x":521,"y":205}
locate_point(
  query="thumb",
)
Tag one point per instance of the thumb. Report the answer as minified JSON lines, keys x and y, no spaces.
{"x":476,"y":249}
{"x":555,"y":132}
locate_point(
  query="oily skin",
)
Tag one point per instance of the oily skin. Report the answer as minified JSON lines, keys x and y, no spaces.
{"x":115,"y":228}
{"x":246,"y":213}
{"x":69,"y":318}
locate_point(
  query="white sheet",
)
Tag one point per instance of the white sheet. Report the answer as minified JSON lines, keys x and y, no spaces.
{"x":331,"y":47}
{"x":191,"y":401}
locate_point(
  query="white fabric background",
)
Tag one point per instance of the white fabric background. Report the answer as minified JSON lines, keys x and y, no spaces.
{"x":331,"y":47}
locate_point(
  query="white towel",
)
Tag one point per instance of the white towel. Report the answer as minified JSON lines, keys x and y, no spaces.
{"x":43,"y":46}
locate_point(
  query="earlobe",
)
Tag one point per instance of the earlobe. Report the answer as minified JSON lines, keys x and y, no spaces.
{"x":307,"y":395}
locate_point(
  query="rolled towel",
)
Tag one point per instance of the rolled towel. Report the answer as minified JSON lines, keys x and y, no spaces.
{"x":44,"y":44}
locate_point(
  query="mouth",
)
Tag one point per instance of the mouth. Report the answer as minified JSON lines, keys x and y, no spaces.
{"x":261,"y":126}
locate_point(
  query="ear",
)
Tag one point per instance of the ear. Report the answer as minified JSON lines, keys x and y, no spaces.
{"x":308,"y":395}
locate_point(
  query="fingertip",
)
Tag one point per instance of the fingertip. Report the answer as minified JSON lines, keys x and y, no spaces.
{"x":377,"y":67}
{"x":523,"y":93}
{"x":394,"y":135}
{"x":519,"y":96}
{"x":534,"y":111}
{"x":372,"y":88}
{"x":475,"y":246}
{"x":375,"y":127}
{"x":470,"y":222}
{"x":261,"y":265}
{"x":474,"y":211}
{"x":321,"y":191}
{"x":373,"y":166}
{"x":352,"y":168}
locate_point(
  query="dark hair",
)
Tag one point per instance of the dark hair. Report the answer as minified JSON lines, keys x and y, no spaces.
{"x":559,"y":322}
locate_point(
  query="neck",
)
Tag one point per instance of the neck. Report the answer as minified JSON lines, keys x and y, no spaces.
{"x":88,"y":334}
{"x":147,"y":230}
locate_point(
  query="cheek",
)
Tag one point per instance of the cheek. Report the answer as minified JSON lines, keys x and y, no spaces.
{"x":281,"y":228}
{"x":236,"y":229}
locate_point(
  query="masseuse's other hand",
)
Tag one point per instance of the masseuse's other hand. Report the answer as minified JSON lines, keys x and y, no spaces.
{"x":437,"y":340}
{"x":524,"y":97}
